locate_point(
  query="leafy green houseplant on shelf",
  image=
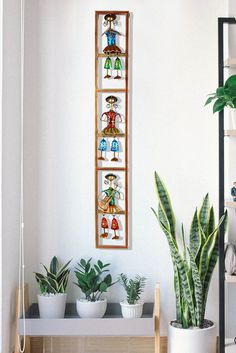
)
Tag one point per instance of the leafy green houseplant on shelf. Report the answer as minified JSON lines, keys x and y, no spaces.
{"x":193,"y":269}
{"x":132,"y":307}
{"x":224,"y":96}
{"x":93,"y":280}
{"x":52,"y":286}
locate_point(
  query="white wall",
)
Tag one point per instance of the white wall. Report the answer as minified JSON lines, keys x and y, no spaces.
{"x":10,"y":167}
{"x":174,"y":67}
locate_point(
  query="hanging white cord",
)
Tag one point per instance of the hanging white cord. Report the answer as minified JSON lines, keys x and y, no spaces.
{"x":21,"y":291}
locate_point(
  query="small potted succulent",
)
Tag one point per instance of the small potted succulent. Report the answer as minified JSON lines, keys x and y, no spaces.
{"x":52,"y":286}
{"x":225,"y":97}
{"x":93,"y":280}
{"x":132,"y":307}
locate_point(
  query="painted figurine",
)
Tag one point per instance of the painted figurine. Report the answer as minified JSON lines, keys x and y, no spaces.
{"x":108,"y":66}
{"x":103,"y":148}
{"x":233,"y":192}
{"x":115,"y":227}
{"x":108,"y":203}
{"x":111,"y":117}
{"x":115,"y":149}
{"x":104,"y":225}
{"x":118,"y":67}
{"x":111,"y":34}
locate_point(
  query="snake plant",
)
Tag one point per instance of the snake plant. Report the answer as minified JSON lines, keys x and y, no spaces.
{"x":194,"y":265}
{"x":56,"y":278}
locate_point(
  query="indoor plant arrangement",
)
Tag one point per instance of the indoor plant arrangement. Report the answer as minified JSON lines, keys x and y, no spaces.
{"x":93,"y":280}
{"x":193,"y":268}
{"x":132,"y":307}
{"x":52,"y":286}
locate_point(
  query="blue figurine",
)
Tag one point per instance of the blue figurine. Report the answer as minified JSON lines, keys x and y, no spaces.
{"x":103,"y":148}
{"x":233,"y":192}
{"x":115,"y":148}
{"x":111,"y":34}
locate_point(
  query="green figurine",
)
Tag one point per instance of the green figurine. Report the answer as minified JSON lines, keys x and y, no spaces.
{"x":118,"y":67}
{"x":108,"y":66}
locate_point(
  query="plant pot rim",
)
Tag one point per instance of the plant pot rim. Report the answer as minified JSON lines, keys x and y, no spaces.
{"x":51,"y":295}
{"x":86,"y":301}
{"x":125,"y":303}
{"x":194,"y":328}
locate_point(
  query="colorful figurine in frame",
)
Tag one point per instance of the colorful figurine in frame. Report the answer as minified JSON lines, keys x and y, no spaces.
{"x":118,"y":67}
{"x":111,"y":34}
{"x":103,"y":148}
{"x":111,"y":117}
{"x":115,"y":227}
{"x":104,"y":225}
{"x":107,"y":203}
{"x":115,"y":149}
{"x":233,"y":191}
{"x":108,"y":66}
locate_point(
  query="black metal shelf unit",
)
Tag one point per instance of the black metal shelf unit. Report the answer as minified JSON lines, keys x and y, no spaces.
{"x":221,"y":22}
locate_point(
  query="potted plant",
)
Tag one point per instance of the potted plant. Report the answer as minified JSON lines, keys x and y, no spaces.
{"x":193,"y":268}
{"x":52,"y":286}
{"x":132,"y":307}
{"x":225,"y":97}
{"x":93,"y":280}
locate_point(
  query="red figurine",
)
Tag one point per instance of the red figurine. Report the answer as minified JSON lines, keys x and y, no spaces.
{"x":111,"y":117}
{"x":104,"y":225}
{"x":115,"y":227}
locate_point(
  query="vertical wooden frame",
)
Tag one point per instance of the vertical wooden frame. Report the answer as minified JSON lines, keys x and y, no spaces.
{"x":125,"y":91}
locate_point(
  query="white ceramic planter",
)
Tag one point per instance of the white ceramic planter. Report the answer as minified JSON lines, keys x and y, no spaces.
{"x":52,"y":306}
{"x":194,"y":340}
{"x":86,"y":309}
{"x":232,"y":114}
{"x":131,"y":311}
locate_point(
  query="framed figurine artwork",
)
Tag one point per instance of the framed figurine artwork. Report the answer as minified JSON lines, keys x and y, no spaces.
{"x":111,"y":128}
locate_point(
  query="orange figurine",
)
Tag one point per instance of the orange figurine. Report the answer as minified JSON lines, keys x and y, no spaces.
{"x":115,"y":227}
{"x":104,"y":225}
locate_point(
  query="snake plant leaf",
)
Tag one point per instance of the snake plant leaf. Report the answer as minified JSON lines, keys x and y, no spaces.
{"x":54,"y":265}
{"x":63,"y":268}
{"x":183,"y":243}
{"x":211,"y":223}
{"x":212,"y":263}
{"x":195,"y":235}
{"x":209,"y":244}
{"x":178,"y":295}
{"x":165,"y":202}
{"x":178,"y":261}
{"x":185,"y":321}
{"x":204,"y":213}
{"x":198,"y":290}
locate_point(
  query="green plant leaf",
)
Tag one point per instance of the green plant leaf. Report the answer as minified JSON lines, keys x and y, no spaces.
{"x":103,"y":287}
{"x":54,"y":265}
{"x":198,"y":292}
{"x":204,"y":214}
{"x":100,"y":264}
{"x":195,"y":235}
{"x":219,"y":105}
{"x":179,"y":263}
{"x":164,"y":200}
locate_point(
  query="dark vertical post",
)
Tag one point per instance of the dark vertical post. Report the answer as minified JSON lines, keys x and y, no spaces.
{"x":221,"y":193}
